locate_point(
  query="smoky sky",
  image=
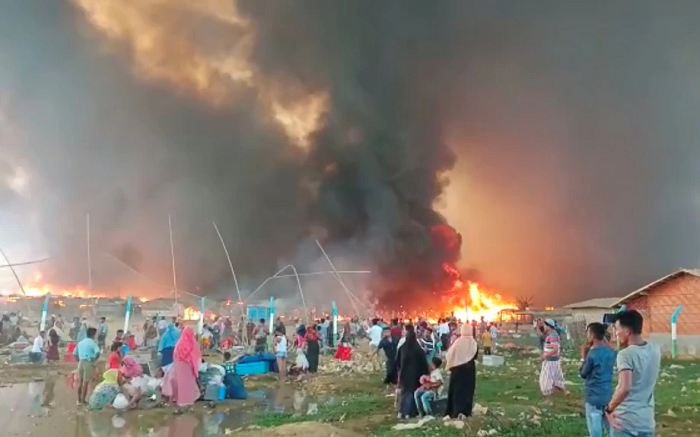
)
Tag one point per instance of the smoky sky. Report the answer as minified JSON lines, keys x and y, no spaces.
{"x":560,"y":140}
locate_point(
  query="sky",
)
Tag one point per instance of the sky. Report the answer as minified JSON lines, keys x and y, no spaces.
{"x":559,"y":140}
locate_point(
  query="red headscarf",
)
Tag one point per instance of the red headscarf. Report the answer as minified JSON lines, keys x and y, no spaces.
{"x":187,"y":350}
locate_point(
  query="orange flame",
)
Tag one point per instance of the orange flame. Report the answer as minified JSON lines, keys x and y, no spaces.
{"x":191,"y":314}
{"x":36,"y":287}
{"x":479,"y":303}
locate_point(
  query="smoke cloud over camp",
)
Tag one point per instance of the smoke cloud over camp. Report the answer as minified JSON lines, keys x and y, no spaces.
{"x":549,"y":152}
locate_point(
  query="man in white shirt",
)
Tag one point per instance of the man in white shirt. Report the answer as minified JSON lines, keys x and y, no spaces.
{"x":444,"y":335}
{"x":375,"y":336}
{"x":37,"y":353}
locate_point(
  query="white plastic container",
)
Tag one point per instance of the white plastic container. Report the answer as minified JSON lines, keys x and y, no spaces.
{"x":493,"y":360}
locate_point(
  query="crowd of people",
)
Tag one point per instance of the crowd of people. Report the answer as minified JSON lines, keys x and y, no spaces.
{"x":416,"y":354}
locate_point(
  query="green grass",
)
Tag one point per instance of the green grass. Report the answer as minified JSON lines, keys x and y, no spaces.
{"x":511,"y":394}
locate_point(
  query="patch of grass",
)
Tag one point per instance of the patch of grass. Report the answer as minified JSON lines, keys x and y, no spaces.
{"x":511,"y":394}
{"x":348,"y":407}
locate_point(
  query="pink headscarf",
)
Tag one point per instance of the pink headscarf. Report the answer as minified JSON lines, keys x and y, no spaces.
{"x":464,"y":349}
{"x":130,"y":368}
{"x":187,"y":350}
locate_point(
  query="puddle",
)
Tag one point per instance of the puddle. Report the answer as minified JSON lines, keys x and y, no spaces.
{"x":23,"y":412}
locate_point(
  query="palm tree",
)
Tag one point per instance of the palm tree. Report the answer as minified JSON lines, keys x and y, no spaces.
{"x":524,"y":302}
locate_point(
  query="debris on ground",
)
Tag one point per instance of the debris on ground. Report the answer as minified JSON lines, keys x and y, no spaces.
{"x":479,"y":410}
{"x":302,"y":429}
{"x":459,"y":424}
{"x":359,"y":363}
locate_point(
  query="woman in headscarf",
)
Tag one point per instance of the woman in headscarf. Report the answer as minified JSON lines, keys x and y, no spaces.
{"x":130,"y":368}
{"x":166,"y":346}
{"x":461,"y":357}
{"x":134,"y":382}
{"x":106,"y":391}
{"x":52,"y":353}
{"x":180,"y":383}
{"x":312,"y":348}
{"x":551,"y":375}
{"x":82,"y":332}
{"x":412,"y":365}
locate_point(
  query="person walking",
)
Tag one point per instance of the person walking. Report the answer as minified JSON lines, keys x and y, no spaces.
{"x":597,"y":371}
{"x":630,"y":412}
{"x":180,"y":381}
{"x":551,"y":375}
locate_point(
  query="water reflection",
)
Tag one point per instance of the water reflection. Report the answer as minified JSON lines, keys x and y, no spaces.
{"x":27,"y":404}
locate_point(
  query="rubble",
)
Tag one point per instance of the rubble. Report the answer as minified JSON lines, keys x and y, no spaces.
{"x":459,"y":424}
{"x":479,"y":410}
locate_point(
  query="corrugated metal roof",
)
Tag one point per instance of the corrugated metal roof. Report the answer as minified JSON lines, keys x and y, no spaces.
{"x":656,"y":283}
{"x":601,"y":302}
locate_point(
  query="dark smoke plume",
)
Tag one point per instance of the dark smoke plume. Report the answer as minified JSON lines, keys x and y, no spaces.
{"x":571,"y":128}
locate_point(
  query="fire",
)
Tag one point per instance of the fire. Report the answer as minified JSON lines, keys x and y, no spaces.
{"x":36,"y":287}
{"x":191,"y":314}
{"x":479,"y":302}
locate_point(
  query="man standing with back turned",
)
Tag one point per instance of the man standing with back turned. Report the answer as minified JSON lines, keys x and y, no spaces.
{"x":631,"y":409}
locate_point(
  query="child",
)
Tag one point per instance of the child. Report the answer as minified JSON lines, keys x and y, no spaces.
{"x":301,"y":364}
{"x":115,"y":356}
{"x":281,"y":353}
{"x":228,"y":365}
{"x":488,"y":342}
{"x":120,"y":336}
{"x":430,"y":389}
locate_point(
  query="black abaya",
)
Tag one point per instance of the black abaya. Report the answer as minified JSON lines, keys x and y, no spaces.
{"x":312,"y":351}
{"x":460,"y":394}
{"x":412,"y":365}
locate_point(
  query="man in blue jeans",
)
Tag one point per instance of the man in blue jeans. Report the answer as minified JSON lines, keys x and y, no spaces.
{"x":631,"y":409}
{"x":597,"y":370}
